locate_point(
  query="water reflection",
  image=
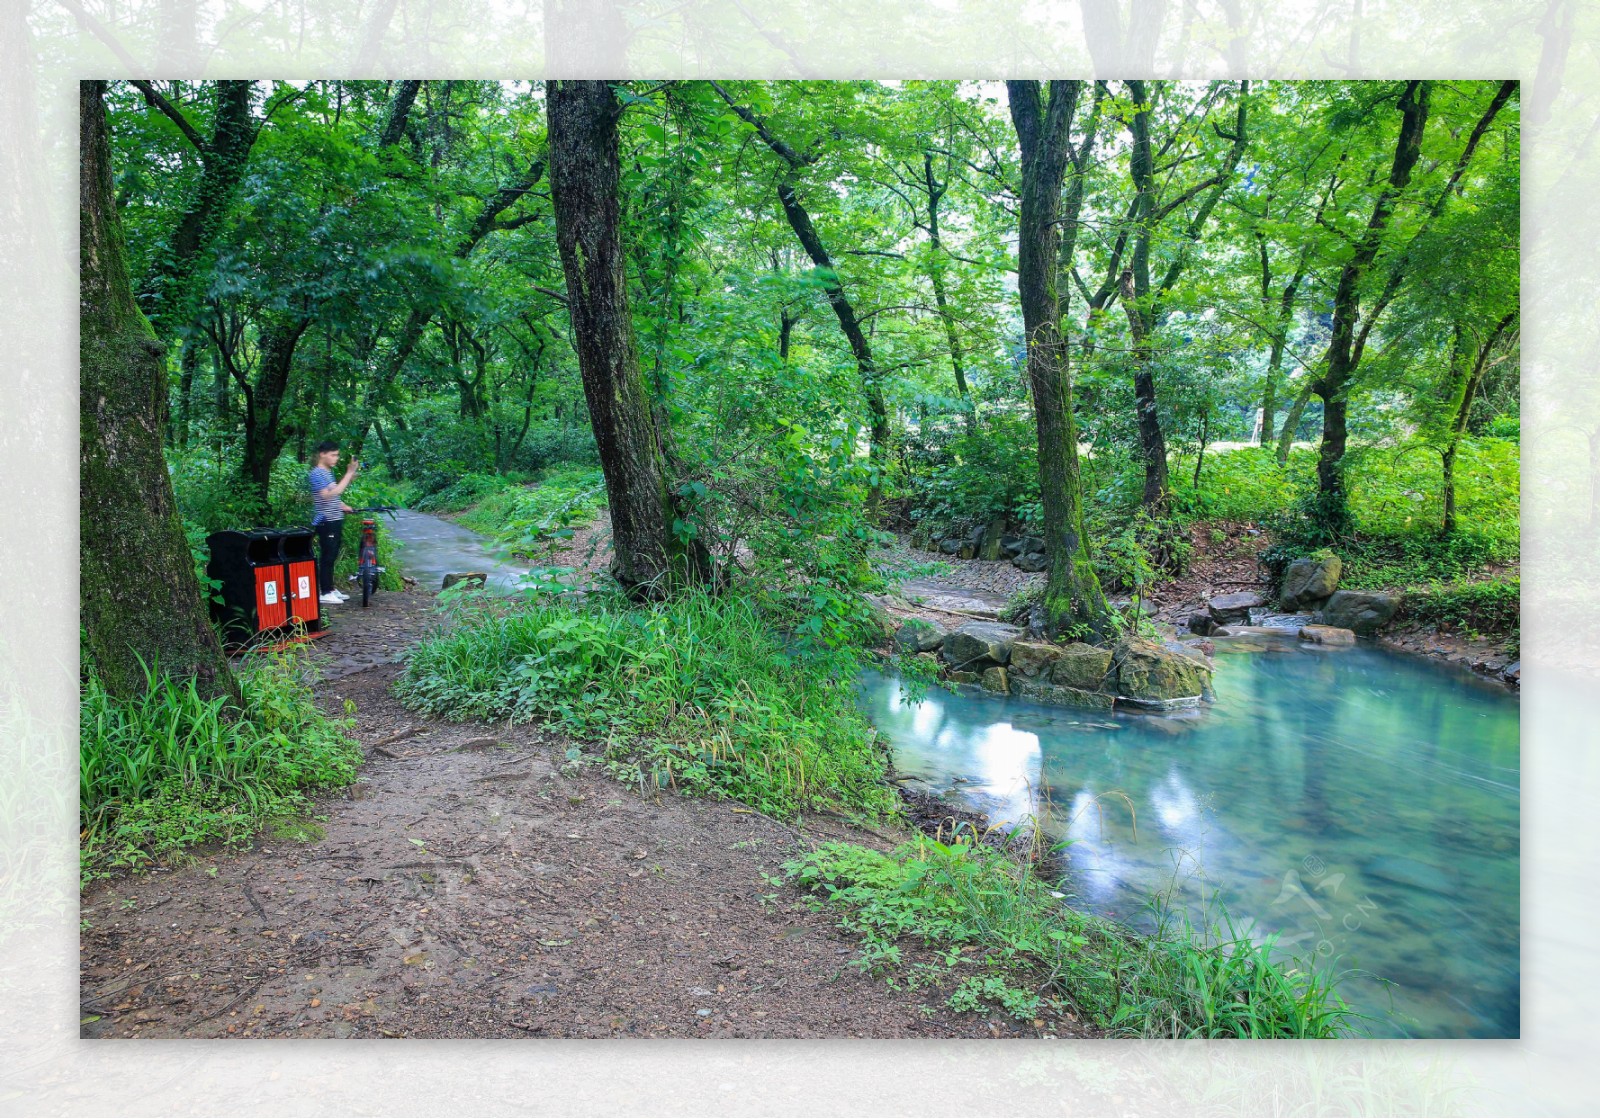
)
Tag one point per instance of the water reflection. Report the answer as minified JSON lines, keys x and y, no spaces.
{"x":1358,"y":804}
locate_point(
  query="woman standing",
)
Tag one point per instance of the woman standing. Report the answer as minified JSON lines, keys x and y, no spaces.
{"x":329,"y":518}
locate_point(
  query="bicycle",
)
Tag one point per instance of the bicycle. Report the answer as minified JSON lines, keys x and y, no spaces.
{"x":367,"y":568}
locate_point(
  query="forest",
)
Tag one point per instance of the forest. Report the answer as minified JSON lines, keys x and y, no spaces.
{"x":773,"y":350}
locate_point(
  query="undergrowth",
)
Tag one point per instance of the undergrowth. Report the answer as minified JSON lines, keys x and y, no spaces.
{"x":544,"y":512}
{"x":698,"y":693}
{"x":171,"y":769}
{"x":1019,"y":951}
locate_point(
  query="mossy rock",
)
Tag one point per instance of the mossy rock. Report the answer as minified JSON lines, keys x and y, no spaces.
{"x":994,"y":680}
{"x":1033,"y":659}
{"x":1082,"y":667}
{"x":918,"y":635}
{"x":979,"y":645}
{"x":1145,"y":671}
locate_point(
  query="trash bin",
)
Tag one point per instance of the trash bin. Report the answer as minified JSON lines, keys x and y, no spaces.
{"x":269,"y":582}
{"x":300,"y":558}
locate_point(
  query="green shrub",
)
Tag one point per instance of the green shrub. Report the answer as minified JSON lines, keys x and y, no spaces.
{"x":1242,"y":484}
{"x":1493,"y":607}
{"x":543,"y":512}
{"x":698,"y":692}
{"x":1504,"y":427}
{"x":990,"y":914}
{"x":171,"y":769}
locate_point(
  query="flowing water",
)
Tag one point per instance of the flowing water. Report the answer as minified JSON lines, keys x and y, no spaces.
{"x":1362,"y":805}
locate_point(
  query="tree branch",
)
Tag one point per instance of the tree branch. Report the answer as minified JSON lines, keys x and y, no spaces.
{"x":155,"y":100}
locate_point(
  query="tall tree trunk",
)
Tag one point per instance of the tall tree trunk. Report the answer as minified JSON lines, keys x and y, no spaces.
{"x":188,"y":363}
{"x":936,"y":191}
{"x":171,"y":289}
{"x":1136,"y":304}
{"x":137,"y":590}
{"x":585,"y":183}
{"x":265,"y":434}
{"x":1464,"y":388}
{"x":1343,"y":356}
{"x":1291,"y":420}
{"x":1142,"y":300}
{"x":1073,"y":598}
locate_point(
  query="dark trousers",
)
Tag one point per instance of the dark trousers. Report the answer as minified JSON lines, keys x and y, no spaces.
{"x":330,"y":534}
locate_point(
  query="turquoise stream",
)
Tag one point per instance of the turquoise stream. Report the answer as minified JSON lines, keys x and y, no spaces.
{"x":1360,"y":804}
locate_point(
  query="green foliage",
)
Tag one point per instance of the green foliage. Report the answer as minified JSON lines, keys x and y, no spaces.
{"x":546,"y":511}
{"x":467,"y":491}
{"x":1243,"y":484}
{"x":1504,"y":427}
{"x":986,"y":913}
{"x":960,"y":478}
{"x":171,"y":769}
{"x":699,"y":692}
{"x":1493,"y":607}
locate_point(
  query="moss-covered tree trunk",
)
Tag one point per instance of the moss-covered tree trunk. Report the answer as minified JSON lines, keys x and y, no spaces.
{"x":1073,"y":598}
{"x":585,"y":177}
{"x":139,"y":596}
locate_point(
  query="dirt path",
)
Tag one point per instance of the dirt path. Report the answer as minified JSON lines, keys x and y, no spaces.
{"x":475,"y":883}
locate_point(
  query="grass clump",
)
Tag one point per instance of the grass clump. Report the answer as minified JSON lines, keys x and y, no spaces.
{"x":698,"y":693}
{"x":1023,"y":953}
{"x":171,"y":769}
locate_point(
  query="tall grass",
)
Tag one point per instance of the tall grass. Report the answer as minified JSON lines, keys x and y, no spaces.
{"x":1021,"y":950}
{"x":172,"y":768}
{"x":697,"y":692}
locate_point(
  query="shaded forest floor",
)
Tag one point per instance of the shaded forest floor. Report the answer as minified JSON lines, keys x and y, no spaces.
{"x":475,"y":883}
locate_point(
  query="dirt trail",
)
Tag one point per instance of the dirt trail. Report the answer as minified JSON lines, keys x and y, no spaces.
{"x":474,"y":883}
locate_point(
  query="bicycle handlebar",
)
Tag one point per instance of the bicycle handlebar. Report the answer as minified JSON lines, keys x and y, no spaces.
{"x":389,"y":509}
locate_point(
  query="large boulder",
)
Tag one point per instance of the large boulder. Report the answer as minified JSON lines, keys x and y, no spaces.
{"x":1148,"y":673}
{"x":992,"y":536}
{"x":1327,"y":635}
{"x":1203,"y":624}
{"x":1032,"y":659}
{"x":950,"y":545}
{"x":1365,"y":612}
{"x":1058,"y":696}
{"x":979,"y":645}
{"x":1032,"y":561}
{"x":994,"y":680}
{"x":918,"y":635}
{"x":1309,"y":581}
{"x":1081,"y":667}
{"x":1228,"y":609}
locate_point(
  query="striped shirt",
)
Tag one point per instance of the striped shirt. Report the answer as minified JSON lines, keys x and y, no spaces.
{"x":329,"y":508}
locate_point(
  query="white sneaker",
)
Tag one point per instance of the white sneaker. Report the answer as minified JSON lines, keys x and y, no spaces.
{"x":342,"y":596}
{"x":331,"y":598}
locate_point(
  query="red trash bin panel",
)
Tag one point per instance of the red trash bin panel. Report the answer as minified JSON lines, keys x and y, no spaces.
{"x":303,"y":591}
{"x":272,"y":607}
